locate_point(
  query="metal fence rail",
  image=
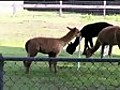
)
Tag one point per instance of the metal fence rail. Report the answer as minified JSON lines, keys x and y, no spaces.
{"x":43,"y":59}
{"x":14,"y":75}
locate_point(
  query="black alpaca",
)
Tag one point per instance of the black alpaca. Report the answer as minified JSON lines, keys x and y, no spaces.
{"x":88,"y":32}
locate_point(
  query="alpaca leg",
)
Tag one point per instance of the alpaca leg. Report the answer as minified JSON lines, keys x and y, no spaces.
{"x":24,"y":62}
{"x":91,"y":42}
{"x":50,"y":62}
{"x":55,"y":66}
{"x":102,"y":51}
{"x":28,"y":63}
{"x":85,"y":46}
{"x":27,"y":66}
{"x":110,"y":50}
{"x":119,"y":48}
{"x":50,"y":65}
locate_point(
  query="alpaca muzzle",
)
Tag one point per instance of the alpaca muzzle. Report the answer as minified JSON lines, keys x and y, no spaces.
{"x":78,"y":35}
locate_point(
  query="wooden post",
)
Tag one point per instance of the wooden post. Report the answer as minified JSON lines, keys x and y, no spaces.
{"x":60,"y":10}
{"x":104,"y":11}
{"x":14,"y":8}
{"x":1,"y":72}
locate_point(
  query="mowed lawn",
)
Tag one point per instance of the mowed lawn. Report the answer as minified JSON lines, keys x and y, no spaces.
{"x":16,"y":30}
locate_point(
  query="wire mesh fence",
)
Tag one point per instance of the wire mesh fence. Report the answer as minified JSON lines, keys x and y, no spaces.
{"x":94,"y":74}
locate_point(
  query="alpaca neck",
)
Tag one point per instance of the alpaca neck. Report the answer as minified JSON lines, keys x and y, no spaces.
{"x":67,"y":38}
{"x":77,"y":41}
{"x":95,"y":48}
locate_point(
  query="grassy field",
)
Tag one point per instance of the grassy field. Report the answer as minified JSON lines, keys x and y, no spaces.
{"x":16,"y":30}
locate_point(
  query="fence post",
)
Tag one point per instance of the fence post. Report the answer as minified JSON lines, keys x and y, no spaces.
{"x":1,"y":72}
{"x":14,"y":8}
{"x":104,"y":11}
{"x":80,"y":38}
{"x":60,"y":10}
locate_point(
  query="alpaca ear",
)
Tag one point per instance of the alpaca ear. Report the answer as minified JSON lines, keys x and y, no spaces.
{"x":75,"y":28}
{"x":69,"y":28}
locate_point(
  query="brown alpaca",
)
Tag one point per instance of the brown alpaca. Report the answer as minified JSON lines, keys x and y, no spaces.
{"x":50,"y":46}
{"x":108,"y":36}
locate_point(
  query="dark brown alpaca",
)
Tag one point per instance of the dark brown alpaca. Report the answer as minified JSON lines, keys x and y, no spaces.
{"x":50,"y":46}
{"x":108,"y":36}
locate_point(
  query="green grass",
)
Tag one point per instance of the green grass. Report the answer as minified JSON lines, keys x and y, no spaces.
{"x":16,"y":30}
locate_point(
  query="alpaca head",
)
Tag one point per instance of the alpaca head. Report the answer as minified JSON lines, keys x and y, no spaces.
{"x":70,"y":48}
{"x":75,"y":31}
{"x":88,"y":53}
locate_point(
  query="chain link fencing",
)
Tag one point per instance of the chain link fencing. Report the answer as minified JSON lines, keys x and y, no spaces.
{"x":93,"y":75}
